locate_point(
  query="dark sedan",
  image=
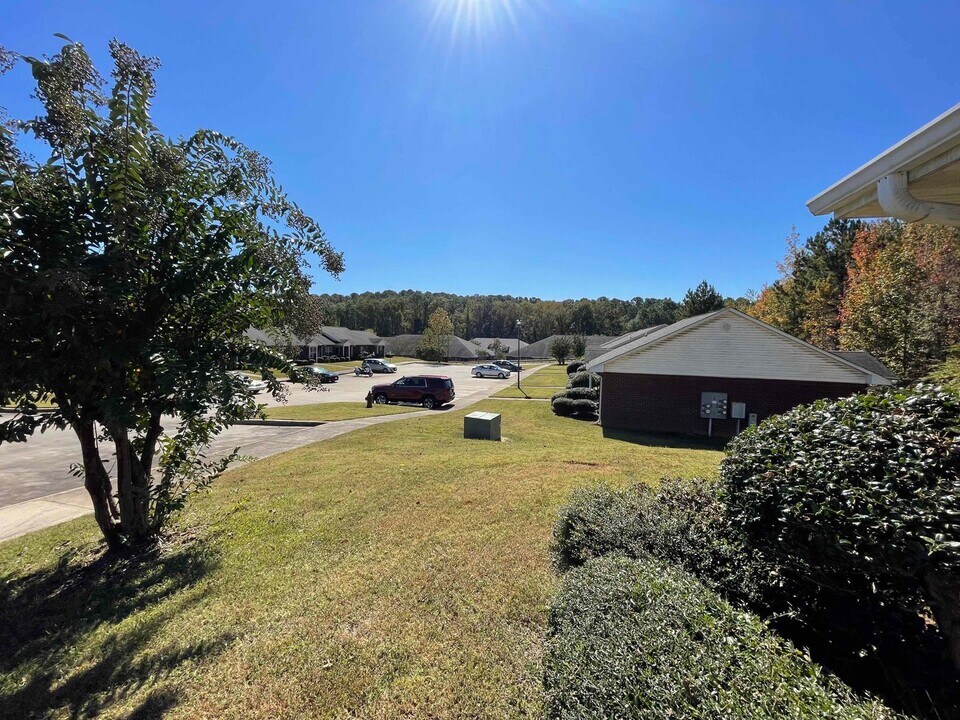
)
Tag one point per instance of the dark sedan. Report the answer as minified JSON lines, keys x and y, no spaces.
{"x":326,"y":376}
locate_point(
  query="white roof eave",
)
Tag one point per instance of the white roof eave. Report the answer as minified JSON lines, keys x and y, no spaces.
{"x":936,"y":137}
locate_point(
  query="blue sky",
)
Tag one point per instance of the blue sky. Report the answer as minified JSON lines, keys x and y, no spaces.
{"x":551,"y":148}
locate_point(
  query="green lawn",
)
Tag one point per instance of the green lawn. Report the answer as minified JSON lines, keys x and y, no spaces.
{"x":542,"y":393}
{"x":397,"y":571}
{"x":335,"y":411}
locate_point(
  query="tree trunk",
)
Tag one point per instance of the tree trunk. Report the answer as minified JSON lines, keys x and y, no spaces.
{"x":944,"y":590}
{"x":132,"y":489}
{"x":97,"y":482}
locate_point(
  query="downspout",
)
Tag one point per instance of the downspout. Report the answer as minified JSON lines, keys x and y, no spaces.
{"x":895,"y":199}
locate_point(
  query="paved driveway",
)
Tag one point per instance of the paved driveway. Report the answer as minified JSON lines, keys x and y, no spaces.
{"x":351,"y":388}
{"x":40,"y":467}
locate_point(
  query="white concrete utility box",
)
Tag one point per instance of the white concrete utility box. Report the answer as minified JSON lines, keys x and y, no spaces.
{"x":481,"y":426}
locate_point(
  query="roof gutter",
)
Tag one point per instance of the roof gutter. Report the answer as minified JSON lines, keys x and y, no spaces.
{"x":894,"y":196}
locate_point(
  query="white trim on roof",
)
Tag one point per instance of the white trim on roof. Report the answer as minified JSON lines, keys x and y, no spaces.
{"x":921,"y":153}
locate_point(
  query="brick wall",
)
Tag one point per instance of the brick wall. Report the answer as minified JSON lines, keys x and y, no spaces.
{"x":671,"y":403}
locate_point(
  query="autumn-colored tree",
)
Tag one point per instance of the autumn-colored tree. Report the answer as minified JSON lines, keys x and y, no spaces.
{"x":805,"y":301}
{"x":902,"y":301}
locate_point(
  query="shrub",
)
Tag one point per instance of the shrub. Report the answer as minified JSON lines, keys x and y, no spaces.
{"x":566,"y":406}
{"x":860,"y":495}
{"x":637,"y":639}
{"x":583,"y":378}
{"x":681,"y":522}
{"x":575,"y":367}
{"x":580,"y":394}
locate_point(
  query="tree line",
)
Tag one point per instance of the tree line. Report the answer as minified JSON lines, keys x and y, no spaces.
{"x":389,"y":313}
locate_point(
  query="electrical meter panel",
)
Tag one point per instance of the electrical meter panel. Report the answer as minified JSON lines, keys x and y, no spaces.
{"x":713,"y":405}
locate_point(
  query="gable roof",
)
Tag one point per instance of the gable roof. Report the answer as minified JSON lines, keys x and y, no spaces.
{"x":666,"y":333}
{"x":345,"y":336}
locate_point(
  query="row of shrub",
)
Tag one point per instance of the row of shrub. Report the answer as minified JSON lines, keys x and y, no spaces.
{"x":581,"y":397}
{"x":838,"y":522}
{"x":638,"y":639}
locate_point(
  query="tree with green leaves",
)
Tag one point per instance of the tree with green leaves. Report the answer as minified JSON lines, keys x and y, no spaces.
{"x":702,"y":299}
{"x":578,"y":346}
{"x":806,"y":300}
{"x":131,"y":265}
{"x":435,"y":341}
{"x":560,"y":349}
{"x":498,"y":349}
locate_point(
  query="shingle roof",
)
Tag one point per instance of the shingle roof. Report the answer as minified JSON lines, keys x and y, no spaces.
{"x":541,"y":348}
{"x":407,"y":345}
{"x":345,"y":336}
{"x":402,"y":345}
{"x":509,"y":343}
{"x":866,"y":361}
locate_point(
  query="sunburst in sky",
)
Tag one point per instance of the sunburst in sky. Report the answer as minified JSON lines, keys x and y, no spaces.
{"x":476,"y":21}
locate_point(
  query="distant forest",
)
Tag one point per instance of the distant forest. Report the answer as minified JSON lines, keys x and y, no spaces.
{"x":390,"y":313}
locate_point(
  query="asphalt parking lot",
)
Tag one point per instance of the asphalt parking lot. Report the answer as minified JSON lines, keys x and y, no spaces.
{"x":351,"y":388}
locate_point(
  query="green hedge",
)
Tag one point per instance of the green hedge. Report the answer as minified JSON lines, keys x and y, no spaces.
{"x":575,"y":367}
{"x":583,"y":379}
{"x":637,"y":639}
{"x":566,"y":406}
{"x":861,"y":495}
{"x":579,"y":394}
{"x":681,"y":521}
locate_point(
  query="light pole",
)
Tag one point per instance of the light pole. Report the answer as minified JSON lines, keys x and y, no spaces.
{"x":518,"y":355}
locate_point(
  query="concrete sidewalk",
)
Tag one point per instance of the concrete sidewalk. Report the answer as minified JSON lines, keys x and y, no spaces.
{"x":259,"y":441}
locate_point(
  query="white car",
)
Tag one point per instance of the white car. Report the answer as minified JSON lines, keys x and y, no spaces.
{"x":380,"y":366}
{"x":256,"y":386}
{"x":480,"y":371}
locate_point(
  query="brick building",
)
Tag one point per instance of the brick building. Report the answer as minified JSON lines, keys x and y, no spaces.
{"x":713,"y":373}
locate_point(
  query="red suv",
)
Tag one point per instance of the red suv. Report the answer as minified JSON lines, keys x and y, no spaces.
{"x":428,"y":390}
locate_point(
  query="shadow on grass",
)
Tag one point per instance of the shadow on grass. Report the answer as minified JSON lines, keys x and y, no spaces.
{"x":682,"y":442}
{"x":45,"y":617}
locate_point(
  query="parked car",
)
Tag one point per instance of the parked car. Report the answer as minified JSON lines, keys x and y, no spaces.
{"x":508,"y":365}
{"x":489,"y":371}
{"x":256,"y":386}
{"x":326,"y":376}
{"x":380,"y":366}
{"x":428,"y":390}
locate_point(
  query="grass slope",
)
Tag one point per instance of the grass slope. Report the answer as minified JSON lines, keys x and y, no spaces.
{"x":335,"y":411}
{"x":397,"y":571}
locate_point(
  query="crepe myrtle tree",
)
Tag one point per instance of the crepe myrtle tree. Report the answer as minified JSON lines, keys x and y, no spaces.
{"x":130,"y":266}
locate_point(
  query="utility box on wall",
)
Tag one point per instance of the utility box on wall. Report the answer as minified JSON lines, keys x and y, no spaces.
{"x":481,"y":426}
{"x":738,"y":410}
